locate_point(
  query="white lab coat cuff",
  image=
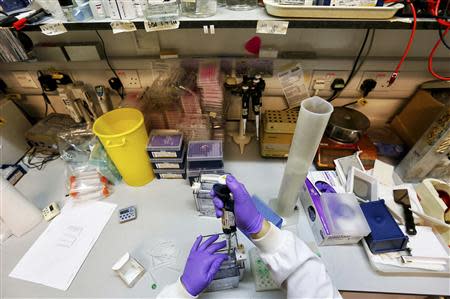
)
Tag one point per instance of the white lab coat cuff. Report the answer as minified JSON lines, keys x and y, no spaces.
{"x":181,"y":291}
{"x":271,"y":241}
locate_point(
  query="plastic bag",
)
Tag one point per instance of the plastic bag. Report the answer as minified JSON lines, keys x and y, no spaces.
{"x":85,"y":183}
{"x":101,"y":161}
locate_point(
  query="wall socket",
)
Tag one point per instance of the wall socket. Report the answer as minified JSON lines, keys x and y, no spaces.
{"x":129,"y":78}
{"x":327,"y":77}
{"x":381,"y":78}
{"x":25,"y":80}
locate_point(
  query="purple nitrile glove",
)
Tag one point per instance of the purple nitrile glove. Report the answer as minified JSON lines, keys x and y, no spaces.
{"x":202,"y":264}
{"x":248,"y":219}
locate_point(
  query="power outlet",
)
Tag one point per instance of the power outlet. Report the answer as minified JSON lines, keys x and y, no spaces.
{"x":24,"y":80}
{"x":129,"y":78}
{"x":381,"y":78}
{"x":327,"y":78}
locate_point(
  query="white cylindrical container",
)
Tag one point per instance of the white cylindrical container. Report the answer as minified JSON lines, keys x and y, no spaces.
{"x":312,"y":121}
{"x":16,"y":212}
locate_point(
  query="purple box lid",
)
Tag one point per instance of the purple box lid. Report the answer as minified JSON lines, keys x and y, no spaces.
{"x":205,"y":150}
{"x":165,"y":142}
{"x":315,"y":198}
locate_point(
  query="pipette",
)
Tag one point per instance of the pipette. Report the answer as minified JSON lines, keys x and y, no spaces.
{"x":228,"y":219}
{"x":245,"y":103}
{"x":256,"y":103}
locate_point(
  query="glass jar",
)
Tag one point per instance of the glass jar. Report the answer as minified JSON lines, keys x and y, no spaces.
{"x":198,"y":8}
{"x":164,"y":11}
{"x":83,"y":11}
{"x":242,"y":4}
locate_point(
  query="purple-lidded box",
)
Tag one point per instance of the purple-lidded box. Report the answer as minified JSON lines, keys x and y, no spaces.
{"x":205,"y":150}
{"x":165,"y":144}
{"x":165,"y":140}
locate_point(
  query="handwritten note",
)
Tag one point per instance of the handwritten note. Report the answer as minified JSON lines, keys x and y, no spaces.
{"x":272,"y":27}
{"x":159,"y":26}
{"x":53,"y":29}
{"x":122,"y":26}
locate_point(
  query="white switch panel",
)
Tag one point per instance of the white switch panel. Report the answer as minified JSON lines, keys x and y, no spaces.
{"x":129,"y":78}
{"x":25,"y":80}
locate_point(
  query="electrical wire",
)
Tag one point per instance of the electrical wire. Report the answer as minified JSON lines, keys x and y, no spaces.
{"x":441,"y":36}
{"x":122,"y":93}
{"x":443,"y":21}
{"x":356,"y":64}
{"x":430,"y":59}
{"x":47,"y":101}
{"x":394,"y":74}
{"x":43,"y":157}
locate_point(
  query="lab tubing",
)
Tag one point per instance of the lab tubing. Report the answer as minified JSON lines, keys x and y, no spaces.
{"x":311,"y":123}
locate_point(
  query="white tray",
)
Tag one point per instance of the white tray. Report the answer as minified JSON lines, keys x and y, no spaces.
{"x":397,"y":270}
{"x":331,"y":12}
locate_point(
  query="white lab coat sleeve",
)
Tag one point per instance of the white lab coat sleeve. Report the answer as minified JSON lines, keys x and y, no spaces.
{"x":175,"y":291}
{"x":294,"y":266}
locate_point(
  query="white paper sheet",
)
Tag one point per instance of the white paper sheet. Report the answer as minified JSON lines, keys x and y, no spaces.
{"x":57,"y":255}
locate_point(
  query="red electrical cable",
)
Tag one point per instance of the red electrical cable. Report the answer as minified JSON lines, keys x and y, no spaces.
{"x":430,"y":58}
{"x":436,"y":12}
{"x":394,"y":74}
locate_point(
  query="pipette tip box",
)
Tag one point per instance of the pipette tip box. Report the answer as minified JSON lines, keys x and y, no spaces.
{"x":170,"y":173}
{"x":386,"y":235}
{"x":165,"y":144}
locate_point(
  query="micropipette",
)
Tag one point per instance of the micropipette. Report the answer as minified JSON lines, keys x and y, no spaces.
{"x":245,"y":103}
{"x":256,"y":103}
{"x":228,"y":219}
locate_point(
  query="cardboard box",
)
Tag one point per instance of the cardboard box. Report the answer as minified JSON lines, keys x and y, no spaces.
{"x":416,"y":117}
{"x":310,"y":200}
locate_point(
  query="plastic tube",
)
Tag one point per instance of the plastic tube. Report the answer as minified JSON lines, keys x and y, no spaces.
{"x":311,"y":123}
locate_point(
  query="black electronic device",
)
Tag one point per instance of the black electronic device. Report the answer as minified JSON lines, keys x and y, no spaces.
{"x":228,"y":218}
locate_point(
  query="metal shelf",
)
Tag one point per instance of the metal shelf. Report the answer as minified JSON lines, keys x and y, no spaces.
{"x":247,"y":19}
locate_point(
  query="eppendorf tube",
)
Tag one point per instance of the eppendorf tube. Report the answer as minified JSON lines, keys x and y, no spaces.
{"x":311,"y":123}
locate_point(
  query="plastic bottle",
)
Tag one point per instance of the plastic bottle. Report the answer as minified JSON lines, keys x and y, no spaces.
{"x":98,"y":9}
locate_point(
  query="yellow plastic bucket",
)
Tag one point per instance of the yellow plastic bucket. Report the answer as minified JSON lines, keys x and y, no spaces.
{"x":123,"y":134}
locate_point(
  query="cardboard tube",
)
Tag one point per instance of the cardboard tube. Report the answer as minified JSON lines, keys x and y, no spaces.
{"x":16,"y":212}
{"x":311,"y":123}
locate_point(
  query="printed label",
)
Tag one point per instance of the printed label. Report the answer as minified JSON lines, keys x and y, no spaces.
{"x":228,"y":220}
{"x":293,"y":85}
{"x":272,"y":27}
{"x":167,"y":165}
{"x":160,"y":26}
{"x":164,"y":154}
{"x":53,"y":29}
{"x":170,"y":175}
{"x":122,"y":26}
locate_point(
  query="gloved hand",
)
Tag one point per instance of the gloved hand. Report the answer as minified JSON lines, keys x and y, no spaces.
{"x":248,"y":219}
{"x":202,"y":264}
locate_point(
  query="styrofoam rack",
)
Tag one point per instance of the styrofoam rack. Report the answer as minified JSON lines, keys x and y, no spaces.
{"x":331,"y":12}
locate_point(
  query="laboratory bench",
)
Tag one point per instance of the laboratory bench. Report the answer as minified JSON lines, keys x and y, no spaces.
{"x":166,"y":212}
